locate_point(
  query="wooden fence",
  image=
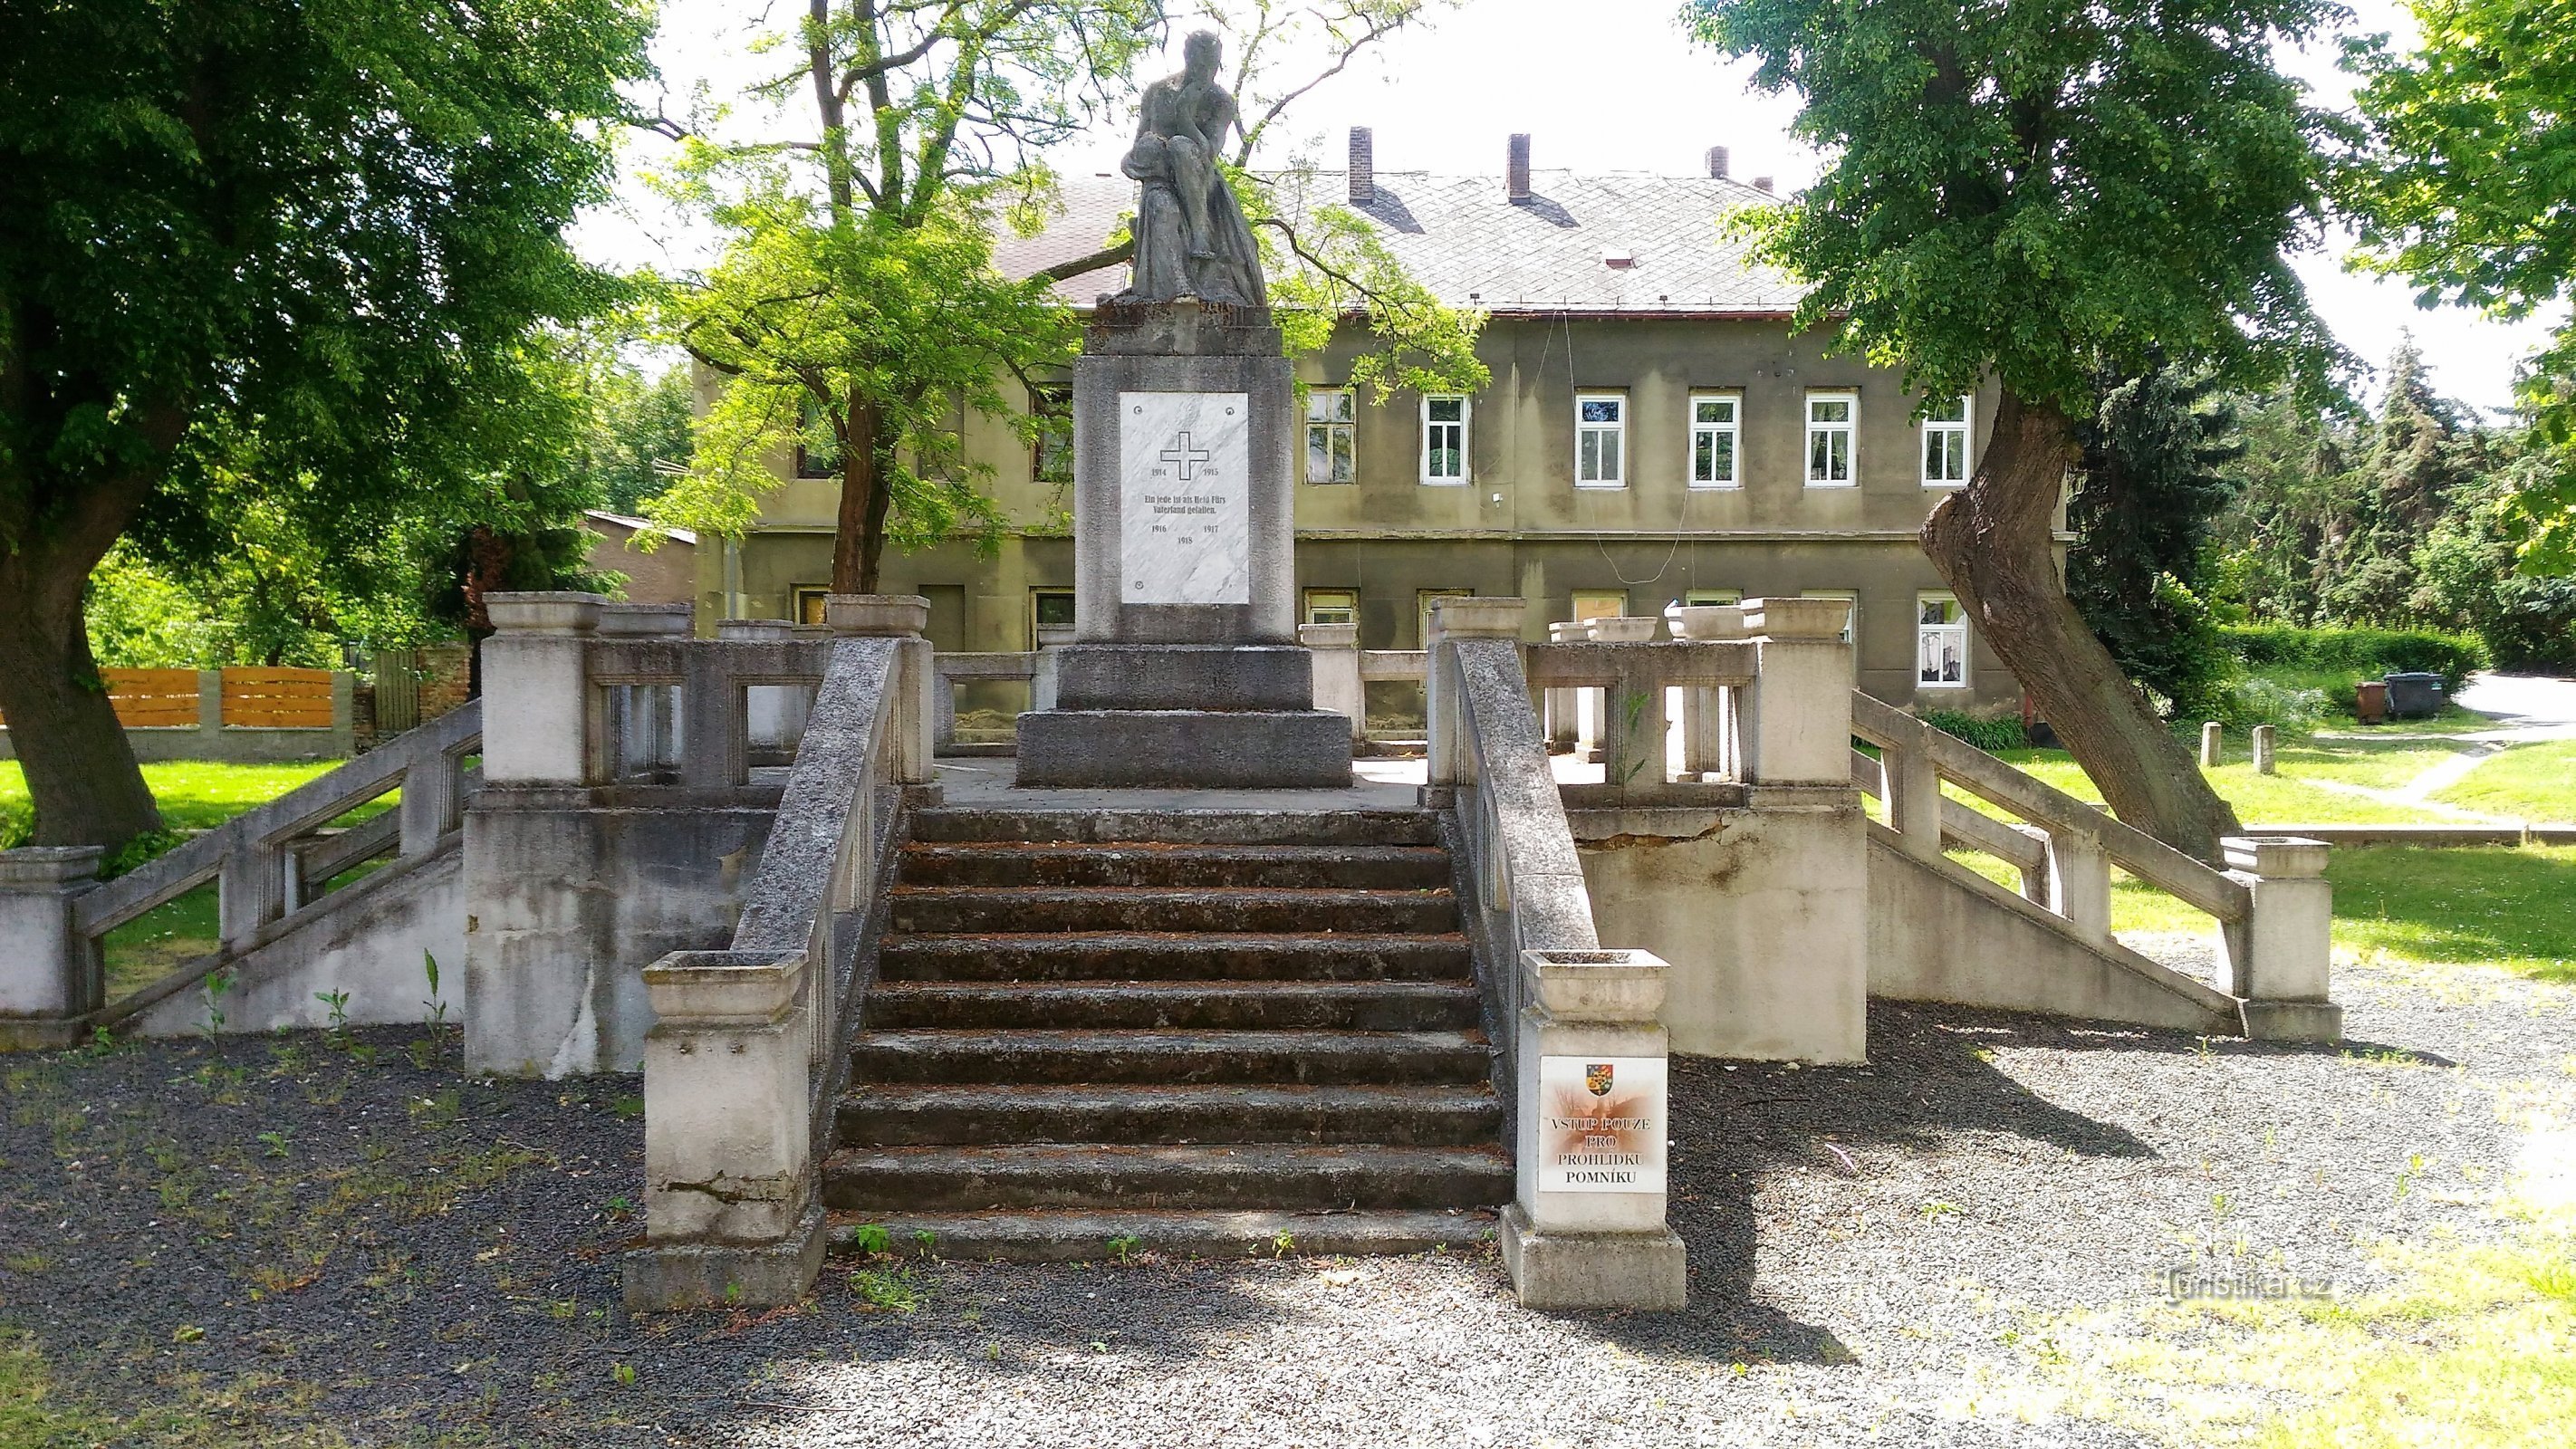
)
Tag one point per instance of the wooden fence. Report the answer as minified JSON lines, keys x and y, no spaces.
{"x":153,"y":698}
{"x":277,"y":699}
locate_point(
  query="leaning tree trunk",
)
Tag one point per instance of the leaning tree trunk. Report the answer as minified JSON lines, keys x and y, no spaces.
{"x":1992,"y":542}
{"x":80,"y":770}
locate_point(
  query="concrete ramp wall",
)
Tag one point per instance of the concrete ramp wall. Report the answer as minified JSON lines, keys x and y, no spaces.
{"x":366,"y":939}
{"x":1940,"y":932}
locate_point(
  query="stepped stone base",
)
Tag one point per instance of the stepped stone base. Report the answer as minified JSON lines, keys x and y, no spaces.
{"x":1196,"y":676}
{"x":662,"y":1278}
{"x":1593,"y":1270}
{"x":1185,"y":749}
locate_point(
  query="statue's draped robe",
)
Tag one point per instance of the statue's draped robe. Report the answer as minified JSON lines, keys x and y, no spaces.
{"x":1163,"y":266}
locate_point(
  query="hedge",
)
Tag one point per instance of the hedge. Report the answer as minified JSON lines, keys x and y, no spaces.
{"x":2364,"y":653}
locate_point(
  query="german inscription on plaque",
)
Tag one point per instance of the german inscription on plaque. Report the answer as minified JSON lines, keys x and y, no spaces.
{"x":1601,"y":1124}
{"x":1185,"y":517}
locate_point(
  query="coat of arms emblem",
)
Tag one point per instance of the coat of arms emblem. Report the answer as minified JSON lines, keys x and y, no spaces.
{"x":1597,"y":1077}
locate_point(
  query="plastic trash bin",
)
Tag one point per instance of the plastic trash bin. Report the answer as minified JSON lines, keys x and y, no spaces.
{"x":2414,"y":695}
{"x":2370,"y":702}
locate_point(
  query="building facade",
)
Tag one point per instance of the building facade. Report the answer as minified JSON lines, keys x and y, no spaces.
{"x":1653,"y":432}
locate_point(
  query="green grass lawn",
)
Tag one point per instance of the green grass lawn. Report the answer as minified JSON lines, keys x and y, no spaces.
{"x":2526,"y":782}
{"x":2282,"y":799}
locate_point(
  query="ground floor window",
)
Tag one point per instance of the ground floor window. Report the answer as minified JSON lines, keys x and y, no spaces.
{"x":1423,"y":599}
{"x":1049,"y":609}
{"x":1599,"y":604}
{"x":1940,"y":643}
{"x":809,"y":603}
{"x":1332,"y":606}
{"x":1697,"y":597}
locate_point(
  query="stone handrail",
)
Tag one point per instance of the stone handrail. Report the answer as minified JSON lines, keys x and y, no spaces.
{"x":269,"y":861}
{"x":1030,"y":665}
{"x":1487,"y":754}
{"x":750,"y":1047}
{"x":2082,"y":842}
{"x":2272,"y":903}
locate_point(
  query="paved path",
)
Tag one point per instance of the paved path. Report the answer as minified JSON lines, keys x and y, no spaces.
{"x":2526,"y":706}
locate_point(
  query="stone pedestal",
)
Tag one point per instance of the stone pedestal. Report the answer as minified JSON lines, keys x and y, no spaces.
{"x":1185,"y":670}
{"x":1586,"y":1225}
{"x":49,"y":971}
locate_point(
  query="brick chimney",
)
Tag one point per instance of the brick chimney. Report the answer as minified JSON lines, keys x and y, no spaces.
{"x":1363,"y":166}
{"x":1516,"y":171}
{"x":1717,"y":163}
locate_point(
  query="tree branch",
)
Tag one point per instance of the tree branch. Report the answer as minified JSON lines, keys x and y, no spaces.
{"x":1110,"y":256}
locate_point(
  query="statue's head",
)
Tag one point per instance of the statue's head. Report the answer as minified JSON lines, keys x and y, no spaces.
{"x":1199,"y":54}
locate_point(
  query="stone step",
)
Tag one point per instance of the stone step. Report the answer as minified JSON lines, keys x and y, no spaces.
{"x":1074,"y":1237}
{"x":1133,"y":863}
{"x":948,"y":909}
{"x":1091,"y":823}
{"x":1231,"y":1006}
{"x":1172,"y":1057}
{"x":1276,"y":1177}
{"x":1214,"y":956}
{"x":896,"y":1115}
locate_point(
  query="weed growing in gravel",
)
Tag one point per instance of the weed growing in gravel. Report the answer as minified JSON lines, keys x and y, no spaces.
{"x":1282,"y":1245}
{"x":1123,"y":1246}
{"x":1936,"y":1210}
{"x":890,"y":1291}
{"x":869,"y":1238}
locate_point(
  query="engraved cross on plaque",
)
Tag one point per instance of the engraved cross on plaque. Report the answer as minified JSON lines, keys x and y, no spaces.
{"x":1186,"y":456}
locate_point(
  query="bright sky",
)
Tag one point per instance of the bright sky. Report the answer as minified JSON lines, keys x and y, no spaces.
{"x":1621,"y":91}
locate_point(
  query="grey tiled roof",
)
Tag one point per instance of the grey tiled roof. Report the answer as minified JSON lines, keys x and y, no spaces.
{"x":1473,"y":246}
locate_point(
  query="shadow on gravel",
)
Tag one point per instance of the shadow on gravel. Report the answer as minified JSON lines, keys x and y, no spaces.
{"x":1928,"y":1080}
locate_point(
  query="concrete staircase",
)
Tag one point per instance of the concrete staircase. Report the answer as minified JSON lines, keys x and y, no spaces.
{"x":1208,"y":1031}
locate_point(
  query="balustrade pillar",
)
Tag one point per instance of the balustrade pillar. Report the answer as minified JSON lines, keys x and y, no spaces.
{"x":2079,"y":883}
{"x":540,"y":726}
{"x":2279,"y":961}
{"x":1586,"y":1227}
{"x":1338,"y":687}
{"x":49,"y":971}
{"x":1794,"y":723}
{"x":918,"y":688}
{"x":1458,"y":618}
{"x":729,"y":1208}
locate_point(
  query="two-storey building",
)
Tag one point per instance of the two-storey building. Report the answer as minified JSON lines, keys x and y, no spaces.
{"x":1653,"y":431}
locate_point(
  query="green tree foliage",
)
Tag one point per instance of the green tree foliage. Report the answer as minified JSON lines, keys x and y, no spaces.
{"x":2027,"y":192}
{"x":854,"y":312}
{"x":249,"y":250}
{"x":2467,"y":189}
{"x":641,"y":442}
{"x":2147,"y":492}
{"x":2409,"y":519}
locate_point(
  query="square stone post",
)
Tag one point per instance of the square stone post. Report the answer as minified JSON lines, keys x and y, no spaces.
{"x":210,"y":711}
{"x":1458,"y":618}
{"x":1336,"y":652}
{"x":539,"y":724}
{"x":2263,"y":746}
{"x":2213,"y":745}
{"x":2279,"y":961}
{"x":1794,"y":728}
{"x":729,"y":1208}
{"x":344,"y":713}
{"x":1586,"y":1227}
{"x":919,"y":694}
{"x":49,"y":971}
{"x":1632,"y":726}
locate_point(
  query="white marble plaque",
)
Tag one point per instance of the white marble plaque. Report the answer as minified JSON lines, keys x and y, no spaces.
{"x":1185,"y":506}
{"x":1601,"y":1124}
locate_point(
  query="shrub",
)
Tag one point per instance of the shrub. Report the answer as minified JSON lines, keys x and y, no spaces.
{"x":2258,"y":700}
{"x":1989,"y":735}
{"x":16,"y":827}
{"x":2361,"y":653}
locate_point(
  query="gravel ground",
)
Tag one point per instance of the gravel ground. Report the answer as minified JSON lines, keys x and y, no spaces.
{"x":1865,"y":1244}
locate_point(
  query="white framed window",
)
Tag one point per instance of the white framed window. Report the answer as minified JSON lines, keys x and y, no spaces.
{"x":1715,"y":433}
{"x":1945,"y":443}
{"x":1600,"y":440}
{"x":1332,"y":606}
{"x":1940,"y":642}
{"x":1444,"y":439}
{"x":1833,"y":426}
{"x":1332,"y":435}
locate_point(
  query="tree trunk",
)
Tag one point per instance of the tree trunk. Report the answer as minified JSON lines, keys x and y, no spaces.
{"x":80,"y":770}
{"x":1992,"y":542}
{"x":859,"y":535}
